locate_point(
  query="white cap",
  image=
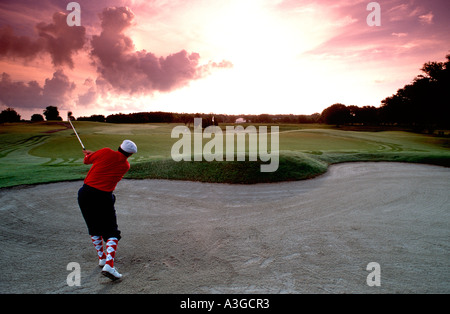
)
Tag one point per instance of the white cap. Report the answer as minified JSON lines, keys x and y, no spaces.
{"x":129,"y":147}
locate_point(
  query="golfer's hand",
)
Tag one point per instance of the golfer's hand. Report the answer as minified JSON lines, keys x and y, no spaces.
{"x":87,"y":152}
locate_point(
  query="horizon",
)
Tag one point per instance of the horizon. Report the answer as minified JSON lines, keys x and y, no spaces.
{"x":240,"y":57}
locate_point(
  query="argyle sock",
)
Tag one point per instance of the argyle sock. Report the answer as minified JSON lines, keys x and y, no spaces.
{"x":98,"y":244}
{"x":111,"y":247}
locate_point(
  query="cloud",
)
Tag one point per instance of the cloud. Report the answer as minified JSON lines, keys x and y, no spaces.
{"x":405,"y":27}
{"x":13,"y":46}
{"x":410,"y":12}
{"x":55,"y":92}
{"x":58,"y":89}
{"x":426,"y":18}
{"x":61,"y":40}
{"x":57,"y":39}
{"x":129,"y":71}
{"x":19,"y":94}
{"x":90,"y":96}
{"x":399,"y":34}
{"x":119,"y":68}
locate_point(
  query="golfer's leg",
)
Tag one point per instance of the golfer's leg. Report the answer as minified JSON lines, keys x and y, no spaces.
{"x":111,"y":248}
{"x":89,"y":203}
{"x":98,"y":244}
{"x":109,"y":270}
{"x":110,"y":226}
{"x":112,"y":233}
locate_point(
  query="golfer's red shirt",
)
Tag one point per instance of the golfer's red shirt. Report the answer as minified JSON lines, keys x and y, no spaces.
{"x":108,"y":168}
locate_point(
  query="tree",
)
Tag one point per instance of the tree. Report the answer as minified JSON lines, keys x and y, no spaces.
{"x":367,"y":115}
{"x":9,"y":115}
{"x":37,"y":117}
{"x":336,"y":114}
{"x":434,"y":70}
{"x":52,"y":113}
{"x":95,"y":118}
{"x":425,"y":102}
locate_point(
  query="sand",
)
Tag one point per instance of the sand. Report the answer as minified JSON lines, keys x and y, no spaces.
{"x":313,"y":236}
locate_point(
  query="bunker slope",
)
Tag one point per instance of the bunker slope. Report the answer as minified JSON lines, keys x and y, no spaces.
{"x":312,"y":236}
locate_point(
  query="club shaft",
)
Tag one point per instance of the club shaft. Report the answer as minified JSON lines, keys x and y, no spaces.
{"x":77,"y":135}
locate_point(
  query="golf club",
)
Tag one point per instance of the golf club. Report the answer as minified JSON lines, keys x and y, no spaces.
{"x":69,"y":115}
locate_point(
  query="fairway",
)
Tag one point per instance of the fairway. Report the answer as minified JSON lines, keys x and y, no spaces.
{"x":32,"y":153}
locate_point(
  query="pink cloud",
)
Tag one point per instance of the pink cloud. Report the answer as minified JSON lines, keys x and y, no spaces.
{"x":19,"y":94}
{"x":121,"y":69}
{"x":61,"y":40}
{"x":55,"y":92}
{"x":426,"y":18}
{"x":399,"y":34}
{"x":58,"y":89}
{"x":90,"y":95}
{"x":13,"y":46}
{"x":131,"y":71}
{"x":57,"y":39}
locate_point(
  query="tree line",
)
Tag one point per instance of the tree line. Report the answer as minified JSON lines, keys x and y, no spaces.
{"x":422,"y":104}
{"x":51,"y":113}
{"x":208,"y":118}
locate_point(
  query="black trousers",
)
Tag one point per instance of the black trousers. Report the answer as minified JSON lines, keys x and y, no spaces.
{"x":97,"y":208}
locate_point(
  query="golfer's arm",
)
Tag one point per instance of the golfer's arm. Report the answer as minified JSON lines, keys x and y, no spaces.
{"x":88,"y":157}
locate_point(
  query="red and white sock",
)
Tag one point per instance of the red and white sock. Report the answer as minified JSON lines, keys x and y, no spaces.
{"x":111,"y":247}
{"x":98,"y":244}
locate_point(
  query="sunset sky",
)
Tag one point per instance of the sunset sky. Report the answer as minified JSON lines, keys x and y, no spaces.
{"x":221,"y":56}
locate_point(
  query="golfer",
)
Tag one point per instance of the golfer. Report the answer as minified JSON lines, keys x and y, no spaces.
{"x":96,"y":200}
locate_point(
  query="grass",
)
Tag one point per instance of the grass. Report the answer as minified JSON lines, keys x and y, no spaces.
{"x":49,"y":152}
{"x":236,"y":172}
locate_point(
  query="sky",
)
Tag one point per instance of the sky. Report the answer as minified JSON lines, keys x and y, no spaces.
{"x":214,"y":56}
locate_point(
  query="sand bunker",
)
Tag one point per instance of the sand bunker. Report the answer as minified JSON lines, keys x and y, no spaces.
{"x":314,"y":236}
